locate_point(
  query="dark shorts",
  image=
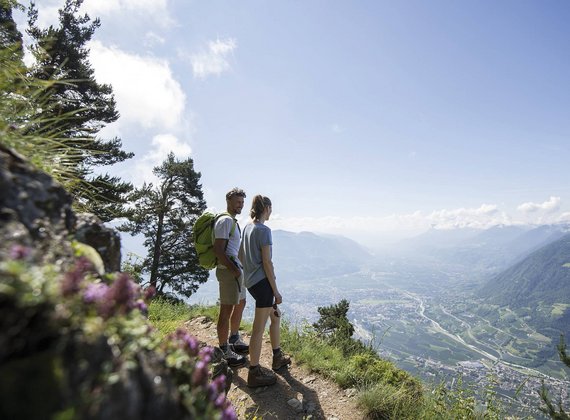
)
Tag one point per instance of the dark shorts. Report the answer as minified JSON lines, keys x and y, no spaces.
{"x":262,"y":293}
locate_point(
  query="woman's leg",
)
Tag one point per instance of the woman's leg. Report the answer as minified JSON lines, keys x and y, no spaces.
{"x":259,"y":321}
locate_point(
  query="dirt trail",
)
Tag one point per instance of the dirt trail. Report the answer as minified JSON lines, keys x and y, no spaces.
{"x":298,"y":393}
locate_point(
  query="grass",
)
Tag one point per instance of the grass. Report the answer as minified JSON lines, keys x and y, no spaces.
{"x":167,"y":315}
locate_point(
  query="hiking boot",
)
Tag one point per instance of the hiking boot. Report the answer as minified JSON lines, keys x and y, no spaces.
{"x":239,"y":346}
{"x":234,"y":359}
{"x":257,"y":377}
{"x":280,"y":360}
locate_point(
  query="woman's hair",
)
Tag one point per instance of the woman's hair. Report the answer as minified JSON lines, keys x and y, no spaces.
{"x":258,"y":206}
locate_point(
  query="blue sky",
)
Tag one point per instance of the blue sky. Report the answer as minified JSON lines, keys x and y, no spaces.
{"x":371,"y":119}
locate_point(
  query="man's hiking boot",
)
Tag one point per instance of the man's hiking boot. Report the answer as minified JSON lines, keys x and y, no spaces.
{"x":280,"y":360}
{"x":239,"y":346}
{"x":234,"y":359}
{"x":257,"y":377}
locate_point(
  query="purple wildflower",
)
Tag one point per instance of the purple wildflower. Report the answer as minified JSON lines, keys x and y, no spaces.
{"x":220,"y":400}
{"x":191,"y":344}
{"x":206,"y":354}
{"x":200,"y":374}
{"x":215,"y":387}
{"x":141,"y":306}
{"x":72,"y":279}
{"x":229,"y":413}
{"x":95,"y":292}
{"x":121,"y":294}
{"x":20,"y":252}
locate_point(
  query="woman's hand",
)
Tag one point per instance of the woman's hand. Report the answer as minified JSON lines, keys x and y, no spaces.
{"x":278,"y":298}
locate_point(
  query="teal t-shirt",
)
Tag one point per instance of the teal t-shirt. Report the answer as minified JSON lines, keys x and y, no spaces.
{"x":255,"y":236}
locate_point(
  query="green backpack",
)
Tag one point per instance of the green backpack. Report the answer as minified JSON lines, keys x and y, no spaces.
{"x":203,"y":237}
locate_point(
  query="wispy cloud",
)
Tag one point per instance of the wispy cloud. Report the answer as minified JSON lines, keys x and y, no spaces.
{"x":213,"y":60}
{"x":552,"y":205}
{"x":145,"y":88}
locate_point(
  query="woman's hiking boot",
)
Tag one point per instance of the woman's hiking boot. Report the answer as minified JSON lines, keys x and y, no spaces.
{"x":257,"y":377}
{"x":280,"y":360}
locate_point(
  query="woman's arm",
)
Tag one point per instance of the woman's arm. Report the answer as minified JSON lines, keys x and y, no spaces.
{"x":269,"y":271}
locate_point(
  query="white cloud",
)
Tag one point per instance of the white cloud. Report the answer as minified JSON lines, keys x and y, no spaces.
{"x":212,"y":61}
{"x":157,"y":10}
{"x":161,"y":146}
{"x":377,"y":229}
{"x":550,"y":206}
{"x":485,"y":216}
{"x":144,"y":87}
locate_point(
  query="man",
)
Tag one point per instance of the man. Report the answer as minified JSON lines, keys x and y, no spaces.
{"x":227,"y":238}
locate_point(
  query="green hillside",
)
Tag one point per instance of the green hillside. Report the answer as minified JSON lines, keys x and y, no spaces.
{"x":538,"y":287}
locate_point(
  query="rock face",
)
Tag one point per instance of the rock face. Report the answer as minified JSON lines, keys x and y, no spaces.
{"x":91,"y":231}
{"x":36,"y":212}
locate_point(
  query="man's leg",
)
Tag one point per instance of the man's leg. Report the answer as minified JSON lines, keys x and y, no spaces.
{"x":235,"y":319}
{"x":223,"y":326}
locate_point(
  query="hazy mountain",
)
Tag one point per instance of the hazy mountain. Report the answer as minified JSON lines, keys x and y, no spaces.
{"x":538,"y":288}
{"x":543,"y":276}
{"x":307,"y":254}
{"x":484,"y":252}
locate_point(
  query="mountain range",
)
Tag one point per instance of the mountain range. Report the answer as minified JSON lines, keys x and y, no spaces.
{"x":308,"y":255}
{"x":484,"y":251}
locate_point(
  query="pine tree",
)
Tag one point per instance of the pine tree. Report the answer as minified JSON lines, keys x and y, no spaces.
{"x":164,"y":215}
{"x":10,"y":37}
{"x":62,"y":56}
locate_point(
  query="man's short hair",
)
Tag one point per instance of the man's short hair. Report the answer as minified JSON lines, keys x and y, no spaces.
{"x":235,"y":192}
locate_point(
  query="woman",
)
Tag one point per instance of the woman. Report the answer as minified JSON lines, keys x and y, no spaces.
{"x":259,"y":278}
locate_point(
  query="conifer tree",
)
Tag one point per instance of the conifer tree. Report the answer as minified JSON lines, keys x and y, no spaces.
{"x":164,"y":214}
{"x":10,"y":36}
{"x":61,"y":55}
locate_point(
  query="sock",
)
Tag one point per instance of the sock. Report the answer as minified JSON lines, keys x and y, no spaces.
{"x":276,"y":351}
{"x":253,"y":367}
{"x":224,"y":347}
{"x":234,"y":337}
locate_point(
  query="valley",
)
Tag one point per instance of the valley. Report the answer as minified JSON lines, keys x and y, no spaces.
{"x":440,"y":336}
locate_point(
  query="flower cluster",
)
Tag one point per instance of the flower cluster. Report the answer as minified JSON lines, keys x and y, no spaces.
{"x":199,"y":360}
{"x":105,"y":309}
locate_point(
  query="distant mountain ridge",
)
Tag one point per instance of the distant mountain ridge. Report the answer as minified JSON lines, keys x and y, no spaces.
{"x":484,"y":250}
{"x":543,"y":276}
{"x":306,"y":254}
{"x":538,"y":288}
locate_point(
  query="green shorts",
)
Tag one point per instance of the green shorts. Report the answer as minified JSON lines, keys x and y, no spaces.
{"x":232,"y":290}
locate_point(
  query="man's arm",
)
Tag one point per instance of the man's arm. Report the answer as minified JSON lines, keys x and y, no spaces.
{"x":220,"y":252}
